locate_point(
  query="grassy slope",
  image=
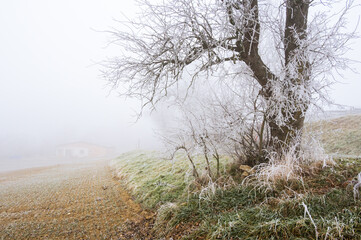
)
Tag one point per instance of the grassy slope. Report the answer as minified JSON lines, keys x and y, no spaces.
{"x":340,"y":135}
{"x":151,"y":179}
{"x":154,"y":180}
{"x":248,"y":213}
{"x":240,"y":212}
{"x":244,"y":212}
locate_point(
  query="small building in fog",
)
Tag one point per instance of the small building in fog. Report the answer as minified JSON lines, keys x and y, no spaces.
{"x":82,"y":150}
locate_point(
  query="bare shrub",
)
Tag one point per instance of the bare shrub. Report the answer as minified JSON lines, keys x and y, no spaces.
{"x":217,"y":124}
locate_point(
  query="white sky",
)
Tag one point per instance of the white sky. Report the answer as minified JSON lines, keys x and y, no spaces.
{"x":50,"y":89}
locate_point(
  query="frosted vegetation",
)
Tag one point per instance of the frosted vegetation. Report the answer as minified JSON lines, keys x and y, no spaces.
{"x":269,"y":203}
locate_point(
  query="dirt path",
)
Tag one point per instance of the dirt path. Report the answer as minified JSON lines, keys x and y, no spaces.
{"x":81,"y":201}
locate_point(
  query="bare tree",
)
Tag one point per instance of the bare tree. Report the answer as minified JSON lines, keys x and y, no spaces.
{"x":287,"y":52}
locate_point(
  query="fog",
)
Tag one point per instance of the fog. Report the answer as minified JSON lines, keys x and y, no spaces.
{"x":51,"y":92}
{"x":50,"y":89}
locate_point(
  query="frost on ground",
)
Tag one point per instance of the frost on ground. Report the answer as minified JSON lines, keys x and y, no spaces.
{"x":69,"y":202}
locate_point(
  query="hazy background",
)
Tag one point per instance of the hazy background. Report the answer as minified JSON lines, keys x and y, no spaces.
{"x":51,"y":91}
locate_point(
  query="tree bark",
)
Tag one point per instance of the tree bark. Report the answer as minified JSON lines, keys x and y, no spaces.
{"x":295,"y":32}
{"x":286,"y":135}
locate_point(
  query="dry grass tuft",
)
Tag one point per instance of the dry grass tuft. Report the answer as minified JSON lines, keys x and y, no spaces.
{"x":284,"y":168}
{"x":307,"y":158}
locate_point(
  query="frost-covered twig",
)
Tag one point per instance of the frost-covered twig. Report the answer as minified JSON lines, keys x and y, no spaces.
{"x":309,"y":215}
{"x":356,"y":192}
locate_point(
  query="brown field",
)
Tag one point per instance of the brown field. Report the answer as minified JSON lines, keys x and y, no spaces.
{"x":82,"y":201}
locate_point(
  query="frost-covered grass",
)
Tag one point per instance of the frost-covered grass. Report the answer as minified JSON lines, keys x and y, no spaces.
{"x":321,"y":205}
{"x":154,"y":180}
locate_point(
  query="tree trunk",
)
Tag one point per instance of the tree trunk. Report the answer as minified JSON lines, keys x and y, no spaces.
{"x":286,"y":135}
{"x":295,"y":30}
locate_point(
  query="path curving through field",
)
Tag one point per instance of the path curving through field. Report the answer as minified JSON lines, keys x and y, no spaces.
{"x":82,"y":201}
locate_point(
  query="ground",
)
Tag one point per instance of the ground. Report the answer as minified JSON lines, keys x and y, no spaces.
{"x":83,"y":201}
